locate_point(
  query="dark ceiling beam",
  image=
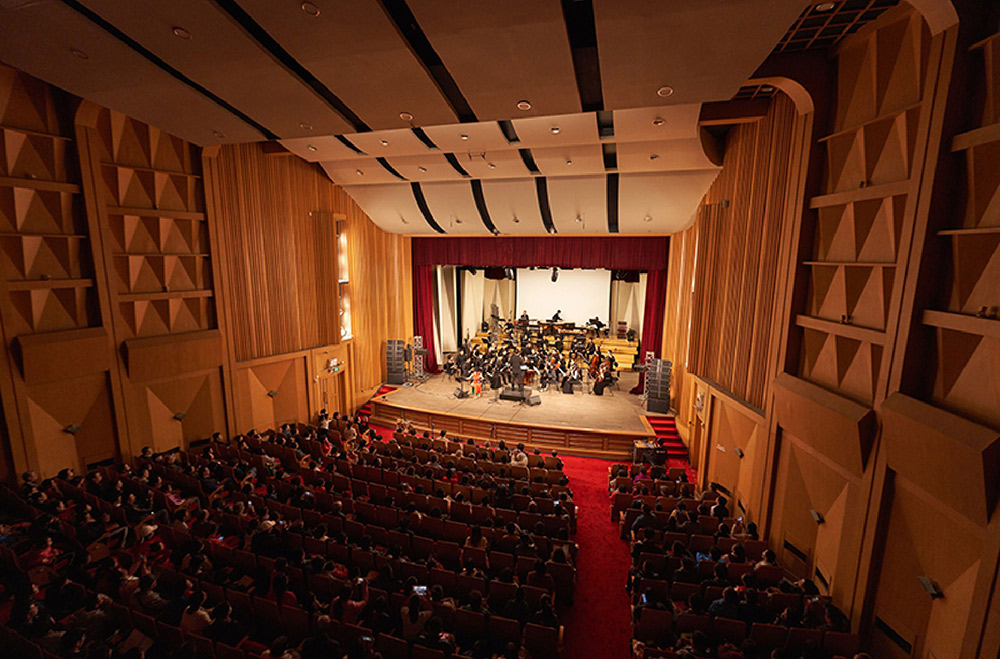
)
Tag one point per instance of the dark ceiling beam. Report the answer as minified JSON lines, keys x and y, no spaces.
{"x":581,"y":28}
{"x":425,"y":210}
{"x":542,"y":190}
{"x":411,"y":32}
{"x":484,"y":212}
{"x":292,"y":65}
{"x":111,"y":29}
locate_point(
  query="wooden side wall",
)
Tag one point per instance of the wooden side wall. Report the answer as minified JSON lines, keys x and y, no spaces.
{"x":154,"y":293}
{"x":877,"y":409}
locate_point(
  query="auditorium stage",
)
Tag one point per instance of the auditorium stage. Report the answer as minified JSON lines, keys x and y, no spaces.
{"x":580,"y":423}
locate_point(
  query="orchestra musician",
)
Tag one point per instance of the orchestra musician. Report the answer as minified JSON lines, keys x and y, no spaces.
{"x":556,"y":317}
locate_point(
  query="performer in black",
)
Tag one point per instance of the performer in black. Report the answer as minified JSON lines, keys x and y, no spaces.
{"x":517,"y":376}
{"x":556,"y":317}
{"x":571,"y":378}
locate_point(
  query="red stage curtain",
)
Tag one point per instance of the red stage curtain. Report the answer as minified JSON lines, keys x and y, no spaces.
{"x":423,"y":311}
{"x":652,"y":319}
{"x":611,"y":252}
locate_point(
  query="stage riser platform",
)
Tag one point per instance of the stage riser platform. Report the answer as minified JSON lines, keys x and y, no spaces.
{"x":571,"y":441}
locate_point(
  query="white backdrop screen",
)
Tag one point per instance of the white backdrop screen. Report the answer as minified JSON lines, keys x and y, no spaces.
{"x":580,"y":294}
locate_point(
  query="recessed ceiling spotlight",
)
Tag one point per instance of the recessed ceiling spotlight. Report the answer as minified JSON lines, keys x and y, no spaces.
{"x":524,"y":105}
{"x":79,"y":53}
{"x":463,"y":137}
{"x":218,"y":134}
{"x":359,"y":172}
{"x":310,"y":9}
{"x":421,"y":169}
{"x":181,"y":33}
{"x":579,"y":219}
{"x":406,"y":116}
{"x":516,"y":220}
{"x":311,"y":147}
{"x":825,"y":6}
{"x":648,"y":218}
{"x":384,"y":142}
{"x":659,"y":121}
{"x":654,"y":156}
{"x":569,"y":161}
{"x":491,"y":165}
{"x":665,"y":91}
{"x":555,"y":130}
{"x":458,"y":221}
{"x":305,"y":126}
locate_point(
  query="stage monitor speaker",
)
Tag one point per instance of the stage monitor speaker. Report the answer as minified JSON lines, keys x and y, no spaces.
{"x":660,"y":406}
{"x":533,"y":400}
{"x":510,"y":393}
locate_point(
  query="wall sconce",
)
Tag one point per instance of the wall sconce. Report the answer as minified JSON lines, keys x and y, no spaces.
{"x":180,"y":416}
{"x":930,"y":587}
{"x":272,"y":393}
{"x":739,"y":452}
{"x":71,"y":428}
{"x":817,"y":516}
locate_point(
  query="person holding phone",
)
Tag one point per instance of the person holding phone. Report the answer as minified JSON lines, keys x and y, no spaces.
{"x":414,"y":617}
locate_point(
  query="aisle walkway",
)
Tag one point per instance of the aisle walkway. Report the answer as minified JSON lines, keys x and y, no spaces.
{"x":598,"y":625}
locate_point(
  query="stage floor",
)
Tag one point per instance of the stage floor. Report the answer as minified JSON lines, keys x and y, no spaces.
{"x":619,"y":411}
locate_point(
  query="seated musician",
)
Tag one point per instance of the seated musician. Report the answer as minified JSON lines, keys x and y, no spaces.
{"x":572,"y":377}
{"x":556,"y":317}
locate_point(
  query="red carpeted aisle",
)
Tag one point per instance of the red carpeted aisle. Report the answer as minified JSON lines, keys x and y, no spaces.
{"x":598,"y":625}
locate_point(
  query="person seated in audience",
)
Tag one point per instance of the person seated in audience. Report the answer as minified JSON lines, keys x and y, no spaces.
{"x":195,"y":618}
{"x":646,"y":544}
{"x":519,"y":458}
{"x":476,"y":603}
{"x":646,"y":519}
{"x":727,"y":606}
{"x":414,"y":617}
{"x":720,"y":577}
{"x":539,"y":577}
{"x":518,"y":607}
{"x":767,"y":558}
{"x":475,"y":539}
{"x":720,"y":510}
{"x":223,"y":628}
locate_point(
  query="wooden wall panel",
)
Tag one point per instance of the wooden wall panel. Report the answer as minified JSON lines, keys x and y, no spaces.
{"x":271,"y":393}
{"x":730,"y":261}
{"x":277,"y":220}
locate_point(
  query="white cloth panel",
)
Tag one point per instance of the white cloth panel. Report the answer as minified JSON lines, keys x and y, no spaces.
{"x":580,"y":294}
{"x":447,"y":321}
{"x":472,"y":302}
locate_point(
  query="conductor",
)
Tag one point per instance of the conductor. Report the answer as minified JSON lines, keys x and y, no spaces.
{"x":515,"y":371}
{"x":556,"y":317}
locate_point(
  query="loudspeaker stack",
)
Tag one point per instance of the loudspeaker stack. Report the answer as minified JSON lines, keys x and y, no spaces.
{"x":395,"y":361}
{"x":658,"y":385}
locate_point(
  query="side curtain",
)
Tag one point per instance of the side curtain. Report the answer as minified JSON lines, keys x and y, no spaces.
{"x":423,"y":312}
{"x":652,"y":319}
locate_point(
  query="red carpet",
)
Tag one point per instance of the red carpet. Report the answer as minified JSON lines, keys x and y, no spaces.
{"x":599,"y":623}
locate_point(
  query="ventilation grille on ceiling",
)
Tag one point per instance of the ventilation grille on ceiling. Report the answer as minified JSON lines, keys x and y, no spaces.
{"x":750,"y":92}
{"x":816,"y":28}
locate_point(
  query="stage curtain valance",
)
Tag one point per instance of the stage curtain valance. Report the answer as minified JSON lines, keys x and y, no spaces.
{"x":611,"y":252}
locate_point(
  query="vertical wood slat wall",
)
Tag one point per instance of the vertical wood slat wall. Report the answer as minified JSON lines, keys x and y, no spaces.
{"x":732,"y":256}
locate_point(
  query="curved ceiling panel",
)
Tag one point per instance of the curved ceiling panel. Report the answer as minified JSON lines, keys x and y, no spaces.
{"x":391,"y":206}
{"x":670,"y":200}
{"x":583,"y":197}
{"x":454,"y":207}
{"x":666,"y":155}
{"x":481,"y":136}
{"x":355,"y":50}
{"x":219,"y":55}
{"x":570,"y":160}
{"x":501,"y":53}
{"x":671,"y":122}
{"x":430,"y":167}
{"x":41,"y":39}
{"x":505,"y":164}
{"x":359,"y":172}
{"x":325,"y":147}
{"x":514,"y":200}
{"x":565,"y":130}
{"x":704,"y":50}
{"x":386,"y":143}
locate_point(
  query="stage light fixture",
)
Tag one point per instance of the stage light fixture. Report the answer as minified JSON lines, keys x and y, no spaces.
{"x":739,"y":452}
{"x":930,"y":587}
{"x":516,"y":220}
{"x":272,"y":393}
{"x":72,"y":428}
{"x":384,"y":142}
{"x":555,"y":274}
{"x":817,"y":516}
{"x":406,"y":116}
{"x":659,"y":121}
{"x":180,"y":416}
{"x":524,"y":105}
{"x":311,"y":147}
{"x":181,"y":33}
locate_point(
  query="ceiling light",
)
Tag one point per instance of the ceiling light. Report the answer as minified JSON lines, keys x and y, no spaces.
{"x":658,"y":121}
{"x":516,"y":220}
{"x":384,"y":142}
{"x":311,"y":147}
{"x":648,"y":218}
{"x":492,"y":165}
{"x":654,"y":156}
{"x":463,"y":137}
{"x":665,"y":91}
{"x":579,"y":219}
{"x":524,"y":105}
{"x":182,"y":33}
{"x":569,"y":161}
{"x":458,"y":221}
{"x":218,"y":134}
{"x":825,"y":6}
{"x":79,"y":53}
{"x":404,"y":220}
{"x":422,"y":169}
{"x":305,"y":126}
{"x":767,"y":89}
{"x":406,"y":116}
{"x":359,"y":172}
{"x":555,"y":130}
{"x":310,"y":8}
